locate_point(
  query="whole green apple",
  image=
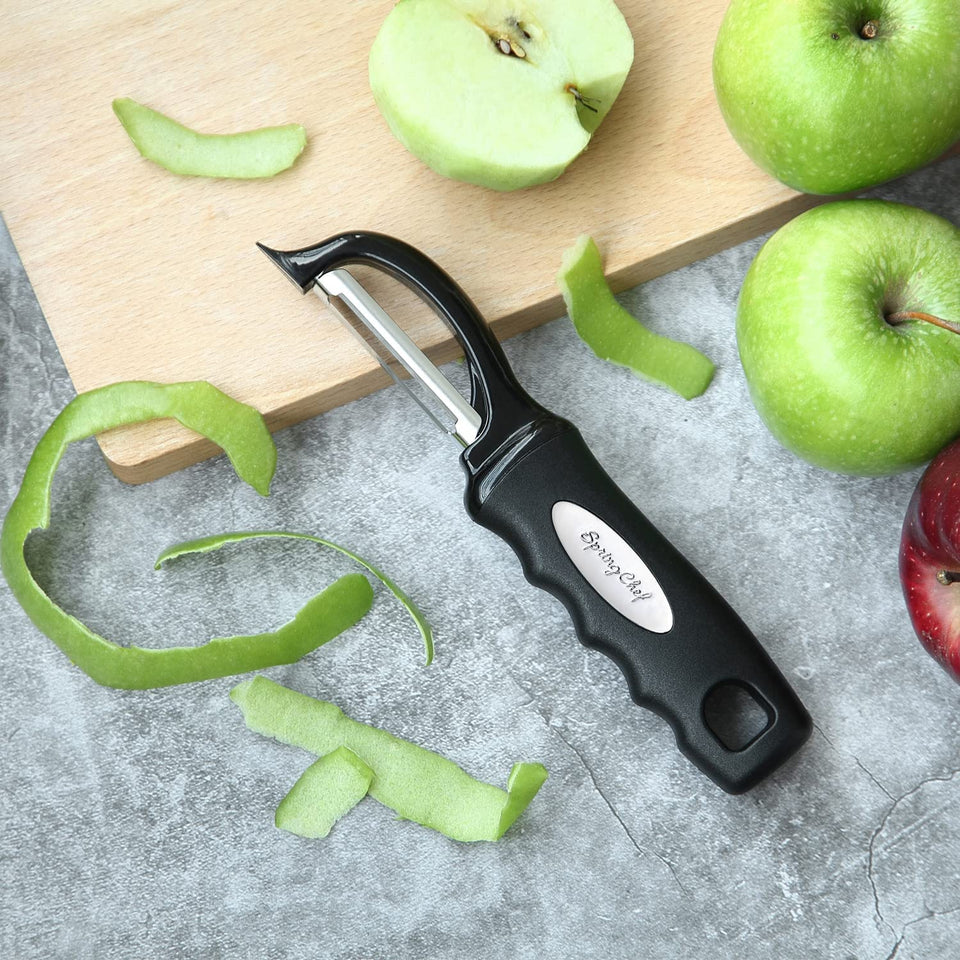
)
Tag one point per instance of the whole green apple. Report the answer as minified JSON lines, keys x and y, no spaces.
{"x":848,"y":326}
{"x":831,"y":96}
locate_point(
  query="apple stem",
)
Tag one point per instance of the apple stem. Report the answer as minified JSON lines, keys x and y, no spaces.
{"x":946,"y":577}
{"x":870,"y":29}
{"x":896,"y":318}
{"x":580,"y":98}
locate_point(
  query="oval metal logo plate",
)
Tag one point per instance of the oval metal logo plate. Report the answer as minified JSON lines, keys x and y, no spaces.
{"x":612,"y":567}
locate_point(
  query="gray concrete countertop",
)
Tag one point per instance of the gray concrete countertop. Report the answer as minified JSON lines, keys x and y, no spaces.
{"x":140,"y":824}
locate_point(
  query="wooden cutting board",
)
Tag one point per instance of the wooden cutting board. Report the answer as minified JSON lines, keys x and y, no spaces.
{"x":145,"y":275}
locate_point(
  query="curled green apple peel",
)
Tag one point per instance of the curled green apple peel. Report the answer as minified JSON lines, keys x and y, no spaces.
{"x":355,"y":759}
{"x":241,"y":432}
{"x":216,"y":541}
{"x":616,"y":335}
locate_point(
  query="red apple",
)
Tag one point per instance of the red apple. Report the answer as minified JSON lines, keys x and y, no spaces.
{"x":930,"y":559}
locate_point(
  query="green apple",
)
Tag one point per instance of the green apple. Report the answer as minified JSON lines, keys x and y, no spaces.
{"x":848,"y":326}
{"x":831,"y":96}
{"x":499,"y":93}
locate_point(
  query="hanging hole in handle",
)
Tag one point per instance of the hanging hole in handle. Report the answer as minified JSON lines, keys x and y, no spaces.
{"x":736,"y":715}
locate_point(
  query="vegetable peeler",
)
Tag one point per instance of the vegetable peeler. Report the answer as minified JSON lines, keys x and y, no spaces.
{"x":532,"y":480}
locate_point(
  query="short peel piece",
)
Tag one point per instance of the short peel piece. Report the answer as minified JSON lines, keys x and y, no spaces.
{"x":241,"y":432}
{"x":329,"y":788}
{"x":418,"y":784}
{"x":248,"y":155}
{"x":615,"y":335}
{"x":215,"y":542}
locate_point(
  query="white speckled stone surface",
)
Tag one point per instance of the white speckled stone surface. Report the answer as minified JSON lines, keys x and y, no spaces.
{"x":140,"y":824}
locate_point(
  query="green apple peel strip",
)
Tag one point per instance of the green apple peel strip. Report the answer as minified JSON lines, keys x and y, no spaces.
{"x":244,"y":156}
{"x":215,"y":542}
{"x":329,"y":788}
{"x":615,"y":335}
{"x":241,"y":432}
{"x":415,"y":782}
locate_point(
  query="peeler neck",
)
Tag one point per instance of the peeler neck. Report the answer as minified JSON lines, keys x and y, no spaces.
{"x":491,"y":457}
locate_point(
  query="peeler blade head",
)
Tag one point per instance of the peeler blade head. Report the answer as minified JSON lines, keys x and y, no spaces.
{"x":294,"y":265}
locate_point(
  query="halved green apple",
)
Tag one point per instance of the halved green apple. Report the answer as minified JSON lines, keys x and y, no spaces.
{"x":501,"y":93}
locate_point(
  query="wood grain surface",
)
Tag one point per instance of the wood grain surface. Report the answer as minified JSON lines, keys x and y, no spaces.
{"x":142,"y":274}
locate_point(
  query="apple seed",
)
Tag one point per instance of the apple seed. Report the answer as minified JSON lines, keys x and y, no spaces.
{"x":508,"y":47}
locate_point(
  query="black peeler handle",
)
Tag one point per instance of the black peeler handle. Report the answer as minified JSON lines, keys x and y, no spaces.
{"x":533,"y":481}
{"x":707,"y":647}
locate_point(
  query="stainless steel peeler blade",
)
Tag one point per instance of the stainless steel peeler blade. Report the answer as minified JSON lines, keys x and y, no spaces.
{"x":352,"y":302}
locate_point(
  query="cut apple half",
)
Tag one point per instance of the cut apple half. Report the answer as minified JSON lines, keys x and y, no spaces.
{"x":501,"y":94}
